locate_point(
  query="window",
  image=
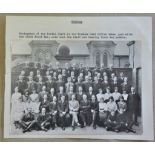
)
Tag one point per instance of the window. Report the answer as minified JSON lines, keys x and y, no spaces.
{"x":105,"y":59}
{"x":98,"y":63}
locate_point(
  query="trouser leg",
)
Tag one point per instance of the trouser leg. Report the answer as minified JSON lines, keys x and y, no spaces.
{"x":23,"y":125}
{"x":94,"y":117}
{"x":82,"y":116}
{"x":30,"y":126}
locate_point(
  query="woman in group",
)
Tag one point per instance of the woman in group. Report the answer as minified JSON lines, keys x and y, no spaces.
{"x":107,"y":95}
{"x":34,"y":101}
{"x":26,"y":97}
{"x":102,"y":112}
{"x":94,"y":110}
{"x":16,"y":103}
{"x":125,"y":95}
{"x":100,"y":95}
{"x":73,"y":110}
{"x":111,"y":105}
{"x":122,"y":105}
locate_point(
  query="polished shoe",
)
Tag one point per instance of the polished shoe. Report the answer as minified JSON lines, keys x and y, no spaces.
{"x":94,"y":126}
{"x":73,"y":128}
{"x":137,"y":124}
{"x":63,"y":128}
{"x":53,"y":127}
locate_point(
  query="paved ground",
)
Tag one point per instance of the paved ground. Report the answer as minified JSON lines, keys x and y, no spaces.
{"x":82,"y":131}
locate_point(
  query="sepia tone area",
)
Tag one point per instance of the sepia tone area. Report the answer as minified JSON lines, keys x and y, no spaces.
{"x":2,"y":71}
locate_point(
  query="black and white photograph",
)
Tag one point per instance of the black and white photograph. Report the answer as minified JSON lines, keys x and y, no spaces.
{"x":78,"y":87}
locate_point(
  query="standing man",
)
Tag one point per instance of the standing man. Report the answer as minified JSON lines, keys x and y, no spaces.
{"x":50,"y":84}
{"x":134,"y":100}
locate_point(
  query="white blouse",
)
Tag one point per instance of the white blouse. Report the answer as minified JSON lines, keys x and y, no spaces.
{"x":102,"y":106}
{"x":111,"y":106}
{"x":99,"y":96}
{"x":107,"y":95}
{"x":116,"y":96}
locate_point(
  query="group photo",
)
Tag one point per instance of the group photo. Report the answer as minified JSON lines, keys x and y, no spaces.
{"x":76,"y":87}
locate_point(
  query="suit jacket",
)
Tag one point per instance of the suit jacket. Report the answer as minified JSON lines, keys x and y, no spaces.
{"x":58,"y":84}
{"x":50,"y":85}
{"x":50,"y":97}
{"x":94,"y":105}
{"x":89,"y":96}
{"x":96,"y":87}
{"x":39,"y":86}
{"x":126,"y":87}
{"x":36,"y":78}
{"x":43,"y":118}
{"x":53,"y":107}
{"x":22,"y":85}
{"x":59,"y":96}
{"x":86,"y":86}
{"x":77,"y":85}
{"x":79,"y":97}
{"x":85,"y":106}
{"x":44,"y":104}
{"x":63,"y":107}
{"x":31,"y":86}
{"x":120,"y":80}
{"x":133,"y":102}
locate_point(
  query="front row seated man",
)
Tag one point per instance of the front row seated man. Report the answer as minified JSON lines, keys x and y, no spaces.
{"x":28,"y":121}
{"x":44,"y":120}
{"x":73,"y":110}
{"x":62,"y":110}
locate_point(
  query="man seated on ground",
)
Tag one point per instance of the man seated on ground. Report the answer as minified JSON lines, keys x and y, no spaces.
{"x":122,"y":122}
{"x":111,"y":122}
{"x":28,"y":121}
{"x":44,"y":120}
